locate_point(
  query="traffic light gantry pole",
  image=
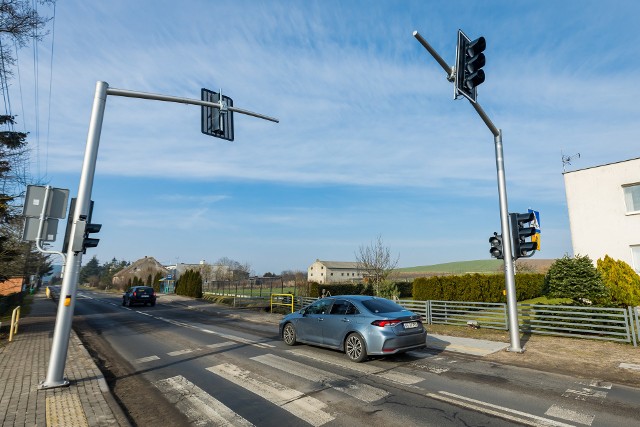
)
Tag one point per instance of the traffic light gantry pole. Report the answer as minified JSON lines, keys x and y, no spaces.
{"x":509,"y":270}
{"x":64,"y":316}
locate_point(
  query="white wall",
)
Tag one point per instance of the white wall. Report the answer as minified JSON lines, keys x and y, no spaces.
{"x":600,"y":224}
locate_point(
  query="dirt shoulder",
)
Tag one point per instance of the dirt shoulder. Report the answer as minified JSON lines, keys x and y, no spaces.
{"x":589,"y":359}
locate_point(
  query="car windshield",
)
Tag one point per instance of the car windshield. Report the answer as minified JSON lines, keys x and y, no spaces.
{"x":380,"y":306}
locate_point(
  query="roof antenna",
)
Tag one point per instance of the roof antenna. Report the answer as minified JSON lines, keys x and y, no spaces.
{"x":566,"y":160}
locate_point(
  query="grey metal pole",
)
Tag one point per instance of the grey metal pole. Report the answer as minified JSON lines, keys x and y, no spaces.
{"x":66,"y":304}
{"x":509,"y":271}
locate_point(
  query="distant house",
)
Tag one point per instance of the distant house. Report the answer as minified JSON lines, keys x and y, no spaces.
{"x":604,"y":211}
{"x":333,"y":272}
{"x":142,"y":269}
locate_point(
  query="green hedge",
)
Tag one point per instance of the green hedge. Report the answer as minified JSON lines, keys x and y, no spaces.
{"x":315,"y":289}
{"x":476,"y":287}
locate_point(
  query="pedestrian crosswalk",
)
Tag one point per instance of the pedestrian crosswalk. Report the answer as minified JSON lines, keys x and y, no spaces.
{"x":307,"y":382}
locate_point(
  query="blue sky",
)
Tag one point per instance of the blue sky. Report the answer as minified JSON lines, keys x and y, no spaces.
{"x":370,"y":141}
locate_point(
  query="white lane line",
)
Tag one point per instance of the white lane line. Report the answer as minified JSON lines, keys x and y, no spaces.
{"x":146,"y":359}
{"x":570,"y":415}
{"x":304,"y":407}
{"x":227,"y":336}
{"x":367,"y":369}
{"x":142,"y":312}
{"x":496,"y":410}
{"x":201,"y":408}
{"x":181,"y":352}
{"x":221,"y":344}
{"x":360,"y":391}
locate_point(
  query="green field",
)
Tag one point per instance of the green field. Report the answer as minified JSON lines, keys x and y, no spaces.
{"x":460,"y":267}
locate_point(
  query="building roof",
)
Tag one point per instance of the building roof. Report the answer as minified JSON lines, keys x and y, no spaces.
{"x":340,"y":264}
{"x":11,"y":285}
{"x":141,"y":263}
{"x":600,"y":166}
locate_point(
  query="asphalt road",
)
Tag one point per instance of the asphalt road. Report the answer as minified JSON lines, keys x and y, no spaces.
{"x":179,"y":367}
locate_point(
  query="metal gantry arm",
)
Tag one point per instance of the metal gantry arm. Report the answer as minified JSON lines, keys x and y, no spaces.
{"x":64,"y":317}
{"x":179,"y":100}
{"x":509,"y":268}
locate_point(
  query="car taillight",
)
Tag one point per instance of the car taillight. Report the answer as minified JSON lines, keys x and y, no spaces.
{"x":134,"y":294}
{"x":383,"y":323}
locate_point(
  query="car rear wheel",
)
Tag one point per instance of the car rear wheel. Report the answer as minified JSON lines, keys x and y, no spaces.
{"x":289,"y":334}
{"x":355,"y":348}
{"x":124,"y":302}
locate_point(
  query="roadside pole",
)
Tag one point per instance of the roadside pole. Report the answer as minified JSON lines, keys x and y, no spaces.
{"x":66,"y":304}
{"x":509,"y":270}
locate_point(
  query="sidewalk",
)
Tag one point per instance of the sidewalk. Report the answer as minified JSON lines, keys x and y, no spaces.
{"x":87,"y":401}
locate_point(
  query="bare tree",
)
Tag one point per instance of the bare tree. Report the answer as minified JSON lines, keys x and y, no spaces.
{"x":229,"y":269}
{"x":376,"y":262}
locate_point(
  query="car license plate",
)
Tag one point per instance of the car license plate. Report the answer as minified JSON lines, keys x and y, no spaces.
{"x":144,"y":296}
{"x":410,"y":325}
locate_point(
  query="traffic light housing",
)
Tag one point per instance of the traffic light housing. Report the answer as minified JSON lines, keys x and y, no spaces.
{"x":469,"y":62}
{"x":216,"y":122}
{"x":521,"y":229}
{"x":496,"y":249}
{"x":81,"y":239}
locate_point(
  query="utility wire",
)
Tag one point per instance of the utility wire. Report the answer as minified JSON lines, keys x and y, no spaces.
{"x":53,"y":38}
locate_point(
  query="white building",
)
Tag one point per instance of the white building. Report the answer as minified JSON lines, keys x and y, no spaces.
{"x":604,"y":211}
{"x":333,"y":272}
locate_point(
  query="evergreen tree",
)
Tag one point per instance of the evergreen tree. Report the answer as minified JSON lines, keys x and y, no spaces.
{"x":90,"y":271}
{"x":20,"y":22}
{"x":576,"y":278}
{"x":623,"y":283}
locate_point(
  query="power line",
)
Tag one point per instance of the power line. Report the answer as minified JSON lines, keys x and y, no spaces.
{"x":53,"y":38}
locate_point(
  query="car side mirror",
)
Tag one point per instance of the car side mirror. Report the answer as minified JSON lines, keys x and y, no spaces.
{"x":303,"y":312}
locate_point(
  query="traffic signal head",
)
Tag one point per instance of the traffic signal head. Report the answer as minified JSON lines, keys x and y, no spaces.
{"x":521,"y":229}
{"x":81,"y":240}
{"x":496,"y":246}
{"x":88,"y":242}
{"x":469,"y":63}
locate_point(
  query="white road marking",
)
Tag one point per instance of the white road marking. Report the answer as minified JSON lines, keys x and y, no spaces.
{"x":221,"y":344}
{"x":631,"y":366}
{"x":181,"y":352}
{"x":201,"y":408}
{"x":496,"y":410}
{"x":596,"y":383}
{"x":431,"y":368}
{"x":585,"y":394}
{"x":363,"y":392}
{"x":146,"y":359}
{"x":304,"y":407}
{"x":227,"y":336}
{"x":570,"y":415}
{"x":364,"y":368}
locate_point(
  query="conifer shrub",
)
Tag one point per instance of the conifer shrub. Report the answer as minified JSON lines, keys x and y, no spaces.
{"x":622,"y":282}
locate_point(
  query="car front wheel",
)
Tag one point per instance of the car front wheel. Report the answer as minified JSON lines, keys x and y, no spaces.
{"x":289,"y":334}
{"x":355,"y":348}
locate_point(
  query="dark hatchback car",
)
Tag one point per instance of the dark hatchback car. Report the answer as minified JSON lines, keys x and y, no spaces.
{"x":359,"y":325}
{"x":139,"y":295}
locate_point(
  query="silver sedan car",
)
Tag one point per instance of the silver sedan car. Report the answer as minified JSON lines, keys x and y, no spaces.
{"x":359,"y":325}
